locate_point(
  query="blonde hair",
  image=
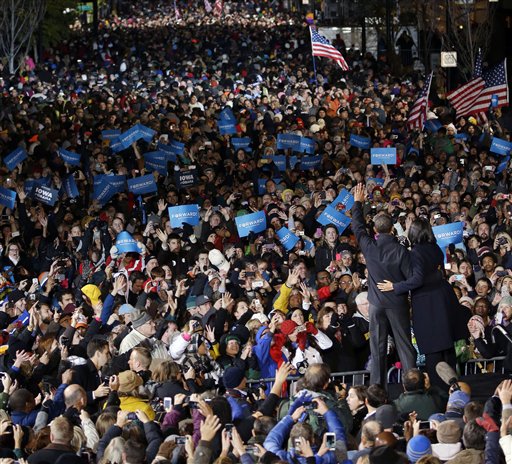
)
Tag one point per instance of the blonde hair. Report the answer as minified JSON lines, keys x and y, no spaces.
{"x":114,"y":452}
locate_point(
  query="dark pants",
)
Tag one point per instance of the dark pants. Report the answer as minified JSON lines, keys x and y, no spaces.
{"x":400,"y":322}
{"x":431,"y":360}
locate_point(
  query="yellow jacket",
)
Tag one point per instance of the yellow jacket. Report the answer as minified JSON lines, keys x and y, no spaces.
{"x":131,"y":404}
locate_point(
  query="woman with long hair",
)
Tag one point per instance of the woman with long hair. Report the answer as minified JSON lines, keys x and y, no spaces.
{"x":435,"y":315}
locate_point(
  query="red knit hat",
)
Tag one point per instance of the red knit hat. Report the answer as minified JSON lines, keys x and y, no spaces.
{"x":287,"y":327}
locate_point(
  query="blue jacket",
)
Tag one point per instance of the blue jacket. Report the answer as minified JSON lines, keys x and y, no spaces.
{"x":277,"y":436}
{"x":261,"y":350}
{"x":24,"y":418}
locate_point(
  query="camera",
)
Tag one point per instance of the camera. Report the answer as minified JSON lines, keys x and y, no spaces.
{"x":131,"y":416}
{"x":180,"y":440}
{"x":502,"y":241}
{"x":302,"y":367}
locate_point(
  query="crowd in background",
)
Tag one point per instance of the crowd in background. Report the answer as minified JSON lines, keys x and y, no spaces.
{"x":148,"y":354}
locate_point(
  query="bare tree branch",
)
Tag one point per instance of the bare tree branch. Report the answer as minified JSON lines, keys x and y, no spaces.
{"x":19,"y":19}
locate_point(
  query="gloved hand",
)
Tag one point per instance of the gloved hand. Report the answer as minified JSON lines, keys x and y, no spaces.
{"x":487,"y":422}
{"x":311,"y":329}
{"x":299,"y":401}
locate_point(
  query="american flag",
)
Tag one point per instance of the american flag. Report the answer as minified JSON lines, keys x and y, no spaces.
{"x":322,"y":47}
{"x":475,"y":96}
{"x":207,"y":6}
{"x":218,"y":7}
{"x":418,"y":114}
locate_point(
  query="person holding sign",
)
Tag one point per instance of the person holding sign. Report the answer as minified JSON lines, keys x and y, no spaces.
{"x":434,"y":303}
{"x":386,"y":259}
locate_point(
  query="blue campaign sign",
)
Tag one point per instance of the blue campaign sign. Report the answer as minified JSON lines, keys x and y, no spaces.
{"x":448,"y":233}
{"x":307,"y":145}
{"x":142,"y":185}
{"x":14,"y":158}
{"x":102,"y":190}
{"x":241,"y":143}
{"x":110,"y":134}
{"x":117,"y":183}
{"x":500,"y":146}
{"x":309,"y":163}
{"x":383,"y":155}
{"x":227,"y":115}
{"x":433,"y":125}
{"x":331,"y":216}
{"x":262,"y":186}
{"x":503,"y":165}
{"x":7,"y":197}
{"x":288,"y":141}
{"x":125,"y":243}
{"x":280,"y":162}
{"x":226,"y":127}
{"x":177,"y":147}
{"x":494,"y":101}
{"x":70,"y":186}
{"x":461,"y":136}
{"x":45,"y":195}
{"x":343,"y":201}
{"x":254,"y":222}
{"x":145,"y":133}
{"x":287,"y":238}
{"x":375,"y":180}
{"x":360,"y":141}
{"x":185,"y":179}
{"x":156,"y":161}
{"x":169,"y":151}
{"x":294,"y":160}
{"x":308,"y":245}
{"x":184,"y":214}
{"x":70,"y":157}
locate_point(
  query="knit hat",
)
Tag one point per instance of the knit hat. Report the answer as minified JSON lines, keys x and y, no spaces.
{"x":457,"y":400}
{"x":386,"y":415}
{"x":418,"y":447}
{"x":384,"y":455}
{"x":126,"y":309}
{"x":93,"y":293}
{"x":288,"y":326}
{"x":140,"y":319}
{"x":190,"y":303}
{"x":15,"y":296}
{"x":233,"y":377}
{"x":202,"y":299}
{"x":129,"y":381}
{"x":448,"y":432}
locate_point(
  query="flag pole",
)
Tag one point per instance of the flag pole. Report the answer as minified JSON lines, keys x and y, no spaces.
{"x":313,"y":55}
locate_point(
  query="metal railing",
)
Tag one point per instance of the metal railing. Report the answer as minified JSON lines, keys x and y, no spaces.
{"x":480,"y":366}
{"x":471,"y":367}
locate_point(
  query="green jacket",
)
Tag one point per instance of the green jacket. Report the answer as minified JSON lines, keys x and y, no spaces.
{"x":424,"y":403}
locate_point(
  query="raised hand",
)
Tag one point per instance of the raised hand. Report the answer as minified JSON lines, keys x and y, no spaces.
{"x":359,"y":193}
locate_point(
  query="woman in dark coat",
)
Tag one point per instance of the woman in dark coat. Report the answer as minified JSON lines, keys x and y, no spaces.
{"x":434,"y":304}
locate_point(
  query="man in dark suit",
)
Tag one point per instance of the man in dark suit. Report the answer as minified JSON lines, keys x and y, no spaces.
{"x":88,"y":375}
{"x":386,"y":259}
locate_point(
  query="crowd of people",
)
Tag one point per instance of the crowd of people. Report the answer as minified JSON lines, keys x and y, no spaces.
{"x":127,"y":340}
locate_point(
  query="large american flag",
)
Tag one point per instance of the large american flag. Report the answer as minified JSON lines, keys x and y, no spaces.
{"x":475,"y":96}
{"x":322,"y":47}
{"x":217,"y":9}
{"x":418,"y":114}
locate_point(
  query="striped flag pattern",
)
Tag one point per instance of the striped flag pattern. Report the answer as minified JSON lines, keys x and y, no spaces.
{"x":418,"y":114}
{"x":322,"y":47}
{"x":217,"y":10}
{"x":475,"y":96}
